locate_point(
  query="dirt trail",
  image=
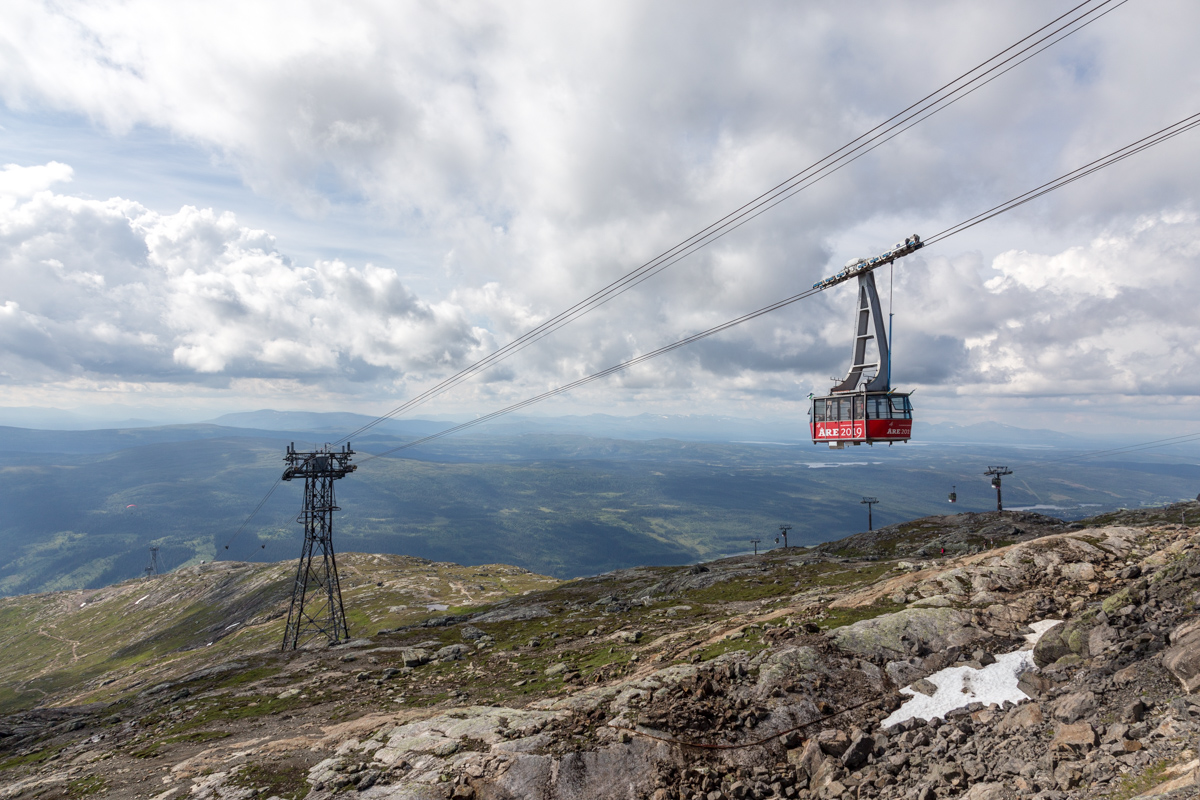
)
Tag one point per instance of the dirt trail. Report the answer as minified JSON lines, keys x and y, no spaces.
{"x":74,"y":648}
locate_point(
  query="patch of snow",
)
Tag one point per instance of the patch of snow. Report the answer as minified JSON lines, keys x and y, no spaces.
{"x":437,"y":607}
{"x":957,"y":687}
{"x":1042,"y":507}
{"x":140,"y":599}
{"x":833,"y":464}
{"x":1039,"y":628}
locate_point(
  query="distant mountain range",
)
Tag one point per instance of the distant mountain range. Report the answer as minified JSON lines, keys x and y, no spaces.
{"x":336,"y":423}
{"x":642,"y":427}
{"x":563,"y":496}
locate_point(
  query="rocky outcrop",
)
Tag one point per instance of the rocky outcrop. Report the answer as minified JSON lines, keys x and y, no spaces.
{"x":1183,"y":657}
{"x":911,"y":632}
{"x":599,"y":690}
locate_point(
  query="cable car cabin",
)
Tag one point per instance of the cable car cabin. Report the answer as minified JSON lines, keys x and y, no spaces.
{"x":862,"y":417}
{"x":862,"y":407}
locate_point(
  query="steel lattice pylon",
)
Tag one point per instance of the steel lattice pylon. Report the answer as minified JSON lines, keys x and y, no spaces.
{"x":316,"y":608}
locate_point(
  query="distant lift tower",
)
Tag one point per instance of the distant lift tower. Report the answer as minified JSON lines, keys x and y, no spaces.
{"x":996,"y":472}
{"x":316,"y":608}
{"x":869,"y":502}
{"x":783,"y":531}
{"x":153,"y":569}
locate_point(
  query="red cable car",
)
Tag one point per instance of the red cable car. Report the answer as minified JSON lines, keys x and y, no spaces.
{"x":872,"y":412}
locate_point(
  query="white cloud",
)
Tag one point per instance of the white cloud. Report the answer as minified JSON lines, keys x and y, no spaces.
{"x":17,"y":181}
{"x":548,"y":148}
{"x":1113,"y":316}
{"x":111,"y":290}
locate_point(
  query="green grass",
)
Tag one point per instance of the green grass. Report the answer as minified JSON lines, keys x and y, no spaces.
{"x":287,"y":781}
{"x":739,"y":590}
{"x":843,"y":575}
{"x":116,"y":638}
{"x":839,"y":617}
{"x":82,"y":787}
{"x":31,"y":759}
{"x":198,"y":737}
{"x":751,"y":644}
{"x":12,"y":700}
{"x":589,"y":663}
{"x":231,"y":680}
{"x":1132,"y":785}
{"x":781,"y":582}
{"x":226,"y":709}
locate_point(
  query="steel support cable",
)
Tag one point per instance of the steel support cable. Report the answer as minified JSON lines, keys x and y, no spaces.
{"x":1120,"y":154}
{"x":1129,"y":448}
{"x":1140,"y":145}
{"x":1010,"y":207}
{"x":820,"y":169}
{"x":776,"y":201}
{"x":781,"y":198}
{"x":804,"y":183}
{"x":253,"y":513}
{"x":604,"y":373}
{"x":1193,"y":438}
{"x":734,"y":225}
{"x":875,"y":137}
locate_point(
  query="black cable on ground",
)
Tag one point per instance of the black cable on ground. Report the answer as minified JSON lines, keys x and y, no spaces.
{"x":743,"y":746}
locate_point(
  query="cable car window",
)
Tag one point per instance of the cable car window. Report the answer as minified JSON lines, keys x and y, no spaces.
{"x":858,"y":407}
{"x":818,"y":411}
{"x":901,"y":408}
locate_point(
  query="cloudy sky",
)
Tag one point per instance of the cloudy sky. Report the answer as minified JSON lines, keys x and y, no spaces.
{"x":210,"y":207}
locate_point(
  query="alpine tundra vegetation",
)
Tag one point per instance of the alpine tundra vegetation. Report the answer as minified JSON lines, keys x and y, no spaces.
{"x":977,"y":656}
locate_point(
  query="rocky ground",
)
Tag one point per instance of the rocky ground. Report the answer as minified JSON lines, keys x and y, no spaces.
{"x":752,"y":677}
{"x":954,"y":534}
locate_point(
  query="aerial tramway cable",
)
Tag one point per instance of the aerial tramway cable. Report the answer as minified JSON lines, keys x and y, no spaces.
{"x":1160,"y":136}
{"x":1153,"y":444}
{"x":1076,"y":18}
{"x":931,"y":104}
{"x":254,"y":513}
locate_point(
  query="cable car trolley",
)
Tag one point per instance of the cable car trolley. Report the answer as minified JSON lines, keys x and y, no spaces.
{"x":863,"y":407}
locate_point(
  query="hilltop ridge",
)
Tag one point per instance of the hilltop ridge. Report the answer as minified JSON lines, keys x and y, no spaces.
{"x":773,"y":675}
